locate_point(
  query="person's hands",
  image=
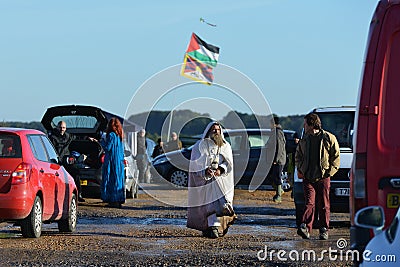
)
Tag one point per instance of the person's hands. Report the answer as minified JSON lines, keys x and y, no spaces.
{"x":300,"y":175}
{"x":210,"y":172}
{"x":92,"y":139}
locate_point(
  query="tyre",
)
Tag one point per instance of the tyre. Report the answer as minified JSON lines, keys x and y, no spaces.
{"x":68,"y":224}
{"x":31,"y":226}
{"x":129,"y":193}
{"x":132,"y":192}
{"x":179,"y":178}
{"x":135,"y":190}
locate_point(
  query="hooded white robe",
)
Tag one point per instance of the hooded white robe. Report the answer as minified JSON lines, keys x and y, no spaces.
{"x":204,"y":194}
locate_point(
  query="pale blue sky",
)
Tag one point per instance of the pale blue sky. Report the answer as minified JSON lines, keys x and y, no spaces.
{"x":301,"y":54}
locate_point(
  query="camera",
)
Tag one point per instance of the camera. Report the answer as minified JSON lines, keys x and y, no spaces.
{"x":214,"y":165}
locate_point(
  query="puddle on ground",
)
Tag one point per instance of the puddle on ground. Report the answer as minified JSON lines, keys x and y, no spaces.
{"x":242,"y":225}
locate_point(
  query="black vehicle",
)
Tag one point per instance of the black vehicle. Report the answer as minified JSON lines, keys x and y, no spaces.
{"x":249,"y":155}
{"x":340,"y":122}
{"x":84,"y":122}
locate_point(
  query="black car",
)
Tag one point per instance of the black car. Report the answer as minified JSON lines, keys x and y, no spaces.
{"x":250,"y":156}
{"x":89,"y":121}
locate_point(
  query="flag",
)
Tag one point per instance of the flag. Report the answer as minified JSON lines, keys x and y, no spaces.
{"x":203,"y":52}
{"x":196,"y":70}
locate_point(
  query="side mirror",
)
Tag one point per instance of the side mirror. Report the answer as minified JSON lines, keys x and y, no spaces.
{"x":127,"y":153}
{"x":371,"y":217}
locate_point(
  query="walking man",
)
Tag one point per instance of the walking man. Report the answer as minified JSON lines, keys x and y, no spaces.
{"x":317,"y":159}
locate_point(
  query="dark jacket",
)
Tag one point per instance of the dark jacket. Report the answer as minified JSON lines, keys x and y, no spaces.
{"x":61,"y":142}
{"x":280,"y":150}
{"x":158,"y":150}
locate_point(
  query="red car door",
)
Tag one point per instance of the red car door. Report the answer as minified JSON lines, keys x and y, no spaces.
{"x":61,"y":182}
{"x":46,"y":175}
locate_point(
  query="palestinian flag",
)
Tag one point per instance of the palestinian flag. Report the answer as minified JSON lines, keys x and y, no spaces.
{"x":203,"y":52}
{"x":196,"y":70}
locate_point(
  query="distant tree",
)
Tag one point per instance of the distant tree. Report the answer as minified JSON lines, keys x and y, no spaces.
{"x":26,"y":125}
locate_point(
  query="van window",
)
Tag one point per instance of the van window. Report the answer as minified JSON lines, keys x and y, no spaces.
{"x":390,"y":94}
{"x":341,"y":125}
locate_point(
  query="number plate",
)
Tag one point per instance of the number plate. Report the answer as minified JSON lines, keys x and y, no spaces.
{"x":342,"y":192}
{"x":393,"y":200}
{"x":83,"y":182}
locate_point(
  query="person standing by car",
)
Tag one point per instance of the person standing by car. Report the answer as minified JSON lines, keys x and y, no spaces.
{"x":158,"y":149}
{"x":61,"y":140}
{"x":141,"y":156}
{"x":211,"y":184}
{"x":279,"y":160}
{"x":317,"y":159}
{"x":174,"y":143}
{"x":113,"y":179}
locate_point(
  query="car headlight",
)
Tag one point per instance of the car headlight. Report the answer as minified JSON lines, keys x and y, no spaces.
{"x":160,"y":160}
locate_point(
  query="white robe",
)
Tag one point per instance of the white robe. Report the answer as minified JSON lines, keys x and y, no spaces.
{"x":203,"y":192}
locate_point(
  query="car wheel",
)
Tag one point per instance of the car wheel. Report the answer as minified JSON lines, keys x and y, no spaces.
{"x":129,"y":192}
{"x":68,"y":225}
{"x":135,"y":190}
{"x":31,"y":226}
{"x":179,"y":178}
{"x":286,"y":186}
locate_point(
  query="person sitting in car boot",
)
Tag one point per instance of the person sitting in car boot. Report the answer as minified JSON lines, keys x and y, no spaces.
{"x":61,"y":140}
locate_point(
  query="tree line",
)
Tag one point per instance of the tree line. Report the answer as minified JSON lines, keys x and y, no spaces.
{"x":188,"y":123}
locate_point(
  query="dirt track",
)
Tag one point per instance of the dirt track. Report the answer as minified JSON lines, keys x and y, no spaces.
{"x":146,"y":232}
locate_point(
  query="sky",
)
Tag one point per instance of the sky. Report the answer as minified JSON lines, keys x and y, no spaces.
{"x":297,"y":54}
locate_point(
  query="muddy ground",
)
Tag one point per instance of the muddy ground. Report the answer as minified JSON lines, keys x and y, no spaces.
{"x":148,"y":231}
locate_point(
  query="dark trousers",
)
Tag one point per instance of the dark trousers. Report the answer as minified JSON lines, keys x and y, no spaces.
{"x":316,"y":197}
{"x":274,"y":174}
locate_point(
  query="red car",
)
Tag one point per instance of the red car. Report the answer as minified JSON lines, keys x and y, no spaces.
{"x":34,"y":187}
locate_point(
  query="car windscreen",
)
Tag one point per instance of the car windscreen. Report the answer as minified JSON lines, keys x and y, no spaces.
{"x":10,"y":146}
{"x":76,"y":121}
{"x":341,"y":125}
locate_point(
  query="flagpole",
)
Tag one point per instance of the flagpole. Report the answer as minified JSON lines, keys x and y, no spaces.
{"x":170,"y":117}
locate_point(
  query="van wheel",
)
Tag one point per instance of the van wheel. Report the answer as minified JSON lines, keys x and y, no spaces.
{"x":68,"y":225}
{"x":31,"y":226}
